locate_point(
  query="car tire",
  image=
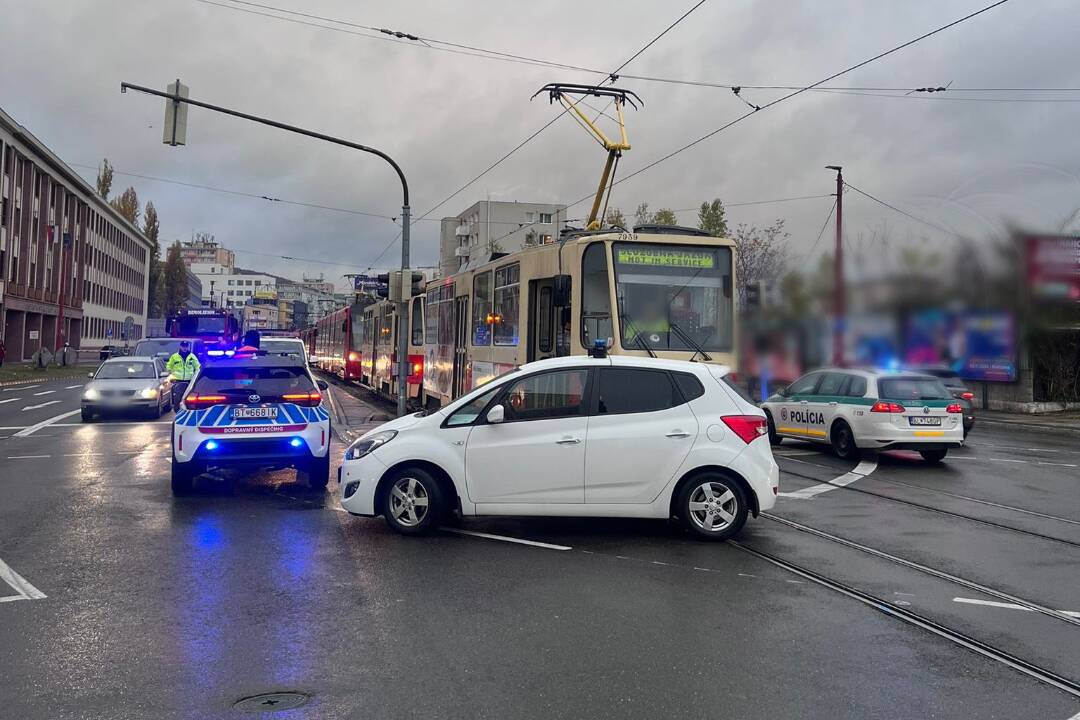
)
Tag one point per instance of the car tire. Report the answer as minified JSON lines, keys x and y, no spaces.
{"x":316,"y":474}
{"x":87,"y":415}
{"x":934,"y":456}
{"x":709,"y":498}
{"x":423,"y":513}
{"x":774,"y":439}
{"x":843,"y":441}
{"x":183,"y":478}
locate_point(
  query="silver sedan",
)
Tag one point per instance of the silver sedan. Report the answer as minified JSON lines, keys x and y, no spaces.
{"x":127,"y":384}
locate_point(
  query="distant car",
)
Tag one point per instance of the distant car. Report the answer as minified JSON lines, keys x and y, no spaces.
{"x":576,"y":437}
{"x":262,"y":411}
{"x":164,"y":347}
{"x":855,"y":410}
{"x":293,"y":347}
{"x":127,"y":384}
{"x":110,"y":351}
{"x":955,"y":384}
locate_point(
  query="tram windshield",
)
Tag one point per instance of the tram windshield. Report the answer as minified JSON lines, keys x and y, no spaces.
{"x":674,"y":297}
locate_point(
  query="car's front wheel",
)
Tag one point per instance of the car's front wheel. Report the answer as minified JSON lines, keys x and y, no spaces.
{"x":713,"y":507}
{"x":87,"y":415}
{"x":316,"y":474}
{"x":413,"y":502}
{"x":934,"y":456}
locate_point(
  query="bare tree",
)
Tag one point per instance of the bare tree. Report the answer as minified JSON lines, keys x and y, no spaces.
{"x":104,"y":179}
{"x":761,"y":254}
{"x":615,"y":218}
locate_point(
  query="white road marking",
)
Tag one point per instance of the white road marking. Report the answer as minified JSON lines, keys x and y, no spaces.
{"x":9,"y":400}
{"x":86,"y":454}
{"x":1008,"y":606}
{"x":116,"y":424}
{"x":25,"y":432}
{"x":19,"y":584}
{"x":22,"y":387}
{"x":519,"y":541}
{"x":44,"y":392}
{"x":861,"y":470}
{"x":1042,"y":462}
{"x":1023,"y":462}
{"x":72,"y":387}
{"x":44,"y":404}
{"x":25,"y":457}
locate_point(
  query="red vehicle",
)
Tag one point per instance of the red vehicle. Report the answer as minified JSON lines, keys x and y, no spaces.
{"x":218,"y":329}
{"x":334,"y":342}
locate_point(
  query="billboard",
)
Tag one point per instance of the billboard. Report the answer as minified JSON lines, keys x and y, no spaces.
{"x":977,"y":344}
{"x":1053,"y":267}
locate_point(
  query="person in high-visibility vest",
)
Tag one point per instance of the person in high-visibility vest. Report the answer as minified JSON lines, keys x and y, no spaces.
{"x":181,"y":366}
{"x":650,"y":324}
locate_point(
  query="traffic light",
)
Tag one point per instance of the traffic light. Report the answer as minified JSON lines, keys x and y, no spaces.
{"x":416,"y":284}
{"x":383,"y":288}
{"x":754,"y":292}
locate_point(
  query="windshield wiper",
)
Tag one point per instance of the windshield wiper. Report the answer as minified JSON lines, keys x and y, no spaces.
{"x":690,"y":341}
{"x":638,"y":339}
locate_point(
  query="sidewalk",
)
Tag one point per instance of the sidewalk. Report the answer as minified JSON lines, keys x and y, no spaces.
{"x":353,"y":413}
{"x":1059,"y":422}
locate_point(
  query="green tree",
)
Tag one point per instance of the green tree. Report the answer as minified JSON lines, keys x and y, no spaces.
{"x":127,"y":204}
{"x":175,"y":281}
{"x":104,"y":179}
{"x":712,"y":218}
{"x":615,"y":218}
{"x":152,"y":229}
{"x":664,"y":216}
{"x":642,"y":216}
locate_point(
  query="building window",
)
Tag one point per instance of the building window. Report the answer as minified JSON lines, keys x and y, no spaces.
{"x":545,"y":218}
{"x":530,"y":216}
{"x":507,"y":304}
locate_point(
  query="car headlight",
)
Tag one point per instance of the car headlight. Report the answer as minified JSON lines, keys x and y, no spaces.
{"x":369,"y":444}
{"x":91,"y":394}
{"x":149,"y":393}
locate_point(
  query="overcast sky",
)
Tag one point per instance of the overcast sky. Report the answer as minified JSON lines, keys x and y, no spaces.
{"x":972,"y":167}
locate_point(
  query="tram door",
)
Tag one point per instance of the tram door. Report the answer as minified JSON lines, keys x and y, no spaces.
{"x":461,"y":350}
{"x":549,"y":322}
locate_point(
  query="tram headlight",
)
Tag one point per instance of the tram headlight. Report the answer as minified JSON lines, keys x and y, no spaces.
{"x":369,"y":444}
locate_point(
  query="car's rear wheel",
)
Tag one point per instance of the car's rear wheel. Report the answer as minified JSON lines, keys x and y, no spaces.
{"x":183,"y":478}
{"x":316,"y":474}
{"x":412,"y":503}
{"x":934,"y":456}
{"x":713,"y":507}
{"x":87,"y":415}
{"x":774,"y":439}
{"x":843,"y":441}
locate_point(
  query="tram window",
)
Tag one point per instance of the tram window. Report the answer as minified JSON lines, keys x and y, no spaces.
{"x":507,"y":304}
{"x":431,"y":321}
{"x":481,"y":330}
{"x":543,"y":320}
{"x":595,"y":295}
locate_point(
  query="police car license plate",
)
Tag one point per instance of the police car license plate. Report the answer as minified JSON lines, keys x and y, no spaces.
{"x":919,"y":420}
{"x":244,"y":413}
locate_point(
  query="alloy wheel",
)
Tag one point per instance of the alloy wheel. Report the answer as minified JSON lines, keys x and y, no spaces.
{"x":409,"y":501}
{"x":713,"y":507}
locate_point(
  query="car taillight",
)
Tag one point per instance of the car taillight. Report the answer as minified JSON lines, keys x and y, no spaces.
{"x":886,"y":407}
{"x":747,"y":427}
{"x":194,"y":400}
{"x":309,"y":399}
{"x":967,"y":395}
{"x":954,"y":408}
{"x":354,"y":356}
{"x":416,"y":369}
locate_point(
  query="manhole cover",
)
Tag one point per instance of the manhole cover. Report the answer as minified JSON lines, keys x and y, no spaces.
{"x":271,"y":702}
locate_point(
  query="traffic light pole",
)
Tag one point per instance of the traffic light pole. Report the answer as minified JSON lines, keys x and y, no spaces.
{"x":403,"y":319}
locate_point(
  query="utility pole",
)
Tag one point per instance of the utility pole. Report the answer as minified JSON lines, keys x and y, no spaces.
{"x":175,"y":133}
{"x":839,"y":310}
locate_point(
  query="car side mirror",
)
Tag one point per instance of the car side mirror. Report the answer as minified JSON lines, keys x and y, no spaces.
{"x":164,"y":374}
{"x":323,"y":385}
{"x":90,"y":375}
{"x":496,"y":414}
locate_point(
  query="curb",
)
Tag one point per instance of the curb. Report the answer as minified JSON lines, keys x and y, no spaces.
{"x":1029,"y":427}
{"x":8,"y":383}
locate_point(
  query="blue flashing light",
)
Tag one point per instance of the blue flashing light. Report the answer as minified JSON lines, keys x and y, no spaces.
{"x":296,"y":442}
{"x":211,"y":445}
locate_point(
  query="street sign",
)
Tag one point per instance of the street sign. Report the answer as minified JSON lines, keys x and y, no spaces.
{"x":175,"y":132}
{"x":108,"y":333}
{"x":33,"y":334}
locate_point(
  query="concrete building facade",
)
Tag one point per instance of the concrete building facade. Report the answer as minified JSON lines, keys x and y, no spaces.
{"x":72,"y":269}
{"x":495,"y":226}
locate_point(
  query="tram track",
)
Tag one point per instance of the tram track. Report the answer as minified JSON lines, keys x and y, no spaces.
{"x":914,"y":619}
{"x":935,"y":509}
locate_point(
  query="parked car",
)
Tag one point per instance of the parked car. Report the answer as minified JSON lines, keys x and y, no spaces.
{"x":574,"y":436}
{"x":955,"y":385}
{"x":125,"y":385}
{"x":110,"y":351}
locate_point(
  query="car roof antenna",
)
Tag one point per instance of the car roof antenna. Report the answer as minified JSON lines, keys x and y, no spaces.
{"x":571,"y":95}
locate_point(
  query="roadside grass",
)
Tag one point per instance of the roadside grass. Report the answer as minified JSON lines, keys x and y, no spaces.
{"x":12,"y":372}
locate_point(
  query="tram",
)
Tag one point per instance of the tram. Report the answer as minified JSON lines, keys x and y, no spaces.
{"x":378,"y":332}
{"x":333,"y":342}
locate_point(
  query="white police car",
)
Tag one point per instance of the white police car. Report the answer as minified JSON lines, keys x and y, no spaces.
{"x":855,"y":410}
{"x":574,"y":436}
{"x":256,"y":412}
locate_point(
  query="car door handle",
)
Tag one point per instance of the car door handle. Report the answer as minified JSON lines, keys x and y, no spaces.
{"x":677,"y":434}
{"x":568,"y":441}
{"x":833,"y":402}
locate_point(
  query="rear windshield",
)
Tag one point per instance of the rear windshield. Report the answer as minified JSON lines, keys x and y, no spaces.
{"x":912,"y":389}
{"x":217,"y":380}
{"x":126,"y":370}
{"x":157,"y":347}
{"x":282,"y":347}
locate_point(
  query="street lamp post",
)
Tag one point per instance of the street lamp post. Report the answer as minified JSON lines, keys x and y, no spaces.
{"x":839,"y":309}
{"x":176,"y":134}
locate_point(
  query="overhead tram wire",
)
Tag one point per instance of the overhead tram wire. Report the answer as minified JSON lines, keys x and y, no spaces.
{"x":551,"y":122}
{"x":916,"y":218}
{"x":821,"y":232}
{"x":404,"y":38}
{"x":800,"y":91}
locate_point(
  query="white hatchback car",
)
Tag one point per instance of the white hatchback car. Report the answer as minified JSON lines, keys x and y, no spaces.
{"x":574,"y":436}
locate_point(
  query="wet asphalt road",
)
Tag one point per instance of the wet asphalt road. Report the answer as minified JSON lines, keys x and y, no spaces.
{"x":157,"y":607}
